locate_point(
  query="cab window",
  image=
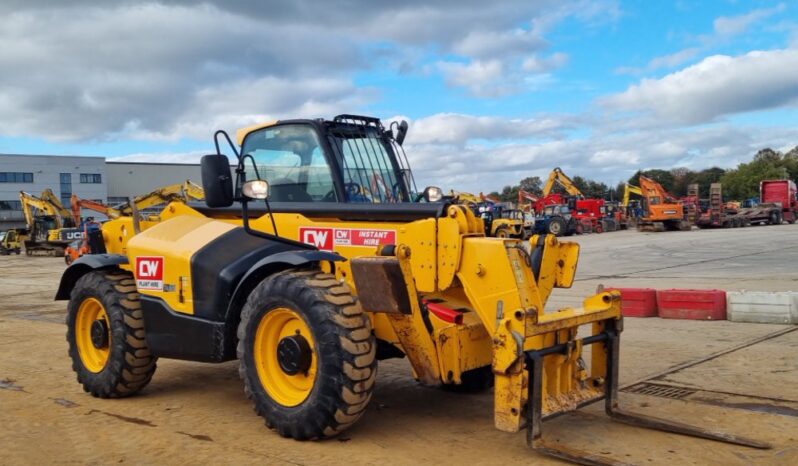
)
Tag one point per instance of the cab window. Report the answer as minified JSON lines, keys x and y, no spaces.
{"x":291,"y":159}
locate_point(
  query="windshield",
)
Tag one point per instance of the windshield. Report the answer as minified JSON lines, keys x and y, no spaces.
{"x":368,"y":169}
{"x":291,"y":159}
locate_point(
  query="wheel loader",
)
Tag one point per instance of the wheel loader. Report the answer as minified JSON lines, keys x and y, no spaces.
{"x":313,"y":259}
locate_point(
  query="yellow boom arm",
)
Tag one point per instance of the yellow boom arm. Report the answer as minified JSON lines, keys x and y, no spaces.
{"x":629,"y":190}
{"x":557,"y":176}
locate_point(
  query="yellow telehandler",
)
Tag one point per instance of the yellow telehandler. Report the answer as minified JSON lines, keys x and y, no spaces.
{"x":316,"y":260}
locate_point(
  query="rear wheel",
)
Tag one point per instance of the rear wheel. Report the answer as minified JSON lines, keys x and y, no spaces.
{"x":307,"y":354}
{"x":556,"y":226}
{"x":105,"y":331}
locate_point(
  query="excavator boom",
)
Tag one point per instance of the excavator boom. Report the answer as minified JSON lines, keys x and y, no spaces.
{"x":557,"y":176}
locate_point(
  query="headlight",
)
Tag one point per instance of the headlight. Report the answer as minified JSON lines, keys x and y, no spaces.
{"x":433,"y":194}
{"x":256,"y":189}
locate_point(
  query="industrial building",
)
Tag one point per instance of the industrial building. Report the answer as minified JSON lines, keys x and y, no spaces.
{"x":89,"y":177}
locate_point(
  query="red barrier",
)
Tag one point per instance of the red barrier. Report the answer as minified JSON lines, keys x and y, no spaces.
{"x":692,"y":304}
{"x":638,"y":302}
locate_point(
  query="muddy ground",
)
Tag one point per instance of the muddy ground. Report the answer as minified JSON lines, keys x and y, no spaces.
{"x":197,"y":413}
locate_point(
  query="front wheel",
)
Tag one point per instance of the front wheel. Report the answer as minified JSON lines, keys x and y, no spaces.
{"x":307,"y":354}
{"x":105,"y":331}
{"x":502,"y":232}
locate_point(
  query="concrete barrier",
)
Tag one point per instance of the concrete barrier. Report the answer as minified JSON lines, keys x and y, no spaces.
{"x":637,"y":302}
{"x":762,"y":307}
{"x":692,"y":304}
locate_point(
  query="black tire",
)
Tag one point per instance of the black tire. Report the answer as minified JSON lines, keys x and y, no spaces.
{"x":774,"y":218}
{"x":556,"y":226}
{"x":130,"y":364}
{"x":503,"y":232}
{"x":346,"y":365}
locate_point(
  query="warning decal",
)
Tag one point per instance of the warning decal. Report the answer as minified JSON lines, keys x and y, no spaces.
{"x":149,"y":273}
{"x":327,"y":238}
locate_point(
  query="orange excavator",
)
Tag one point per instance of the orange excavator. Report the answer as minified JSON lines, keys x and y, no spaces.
{"x":661,"y":210}
{"x":77,"y":204}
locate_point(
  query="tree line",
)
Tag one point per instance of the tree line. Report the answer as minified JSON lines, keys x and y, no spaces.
{"x":738,"y":183}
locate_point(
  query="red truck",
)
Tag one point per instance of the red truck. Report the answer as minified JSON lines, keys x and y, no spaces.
{"x":783,"y":193}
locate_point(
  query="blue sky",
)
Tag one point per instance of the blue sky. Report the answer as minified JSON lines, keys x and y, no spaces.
{"x":493,"y":92}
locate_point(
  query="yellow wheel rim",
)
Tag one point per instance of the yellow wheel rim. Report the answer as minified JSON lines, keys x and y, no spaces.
{"x":285,"y":389}
{"x":90,"y":311}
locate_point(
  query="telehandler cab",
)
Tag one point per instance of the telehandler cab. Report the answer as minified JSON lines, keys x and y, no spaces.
{"x":339,"y":265}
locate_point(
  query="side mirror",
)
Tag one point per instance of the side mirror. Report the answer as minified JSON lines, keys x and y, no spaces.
{"x":217,"y":180}
{"x":401,"y":132}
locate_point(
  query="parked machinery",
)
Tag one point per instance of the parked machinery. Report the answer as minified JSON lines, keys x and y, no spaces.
{"x":783,"y":194}
{"x":631,"y":207}
{"x":718,"y":214}
{"x":660,"y":210}
{"x":308,"y":311}
{"x":585,"y":210}
{"x":11,"y":241}
{"x":498,"y":221}
{"x":551,"y":214}
{"x":49,"y":224}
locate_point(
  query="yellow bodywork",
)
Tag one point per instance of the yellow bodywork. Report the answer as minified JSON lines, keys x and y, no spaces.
{"x":448,"y":259}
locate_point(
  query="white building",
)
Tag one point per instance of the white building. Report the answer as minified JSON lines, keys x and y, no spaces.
{"x":65,"y":175}
{"x":89,"y":177}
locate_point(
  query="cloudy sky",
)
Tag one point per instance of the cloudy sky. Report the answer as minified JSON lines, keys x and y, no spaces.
{"x":494,"y":91}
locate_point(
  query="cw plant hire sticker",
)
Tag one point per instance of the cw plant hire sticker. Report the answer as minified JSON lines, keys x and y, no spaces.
{"x":325,"y":238}
{"x":149,"y":272}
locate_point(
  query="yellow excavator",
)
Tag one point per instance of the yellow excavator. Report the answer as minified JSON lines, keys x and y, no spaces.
{"x":631,"y":209}
{"x":308,"y":274}
{"x":50,"y":225}
{"x":558,"y":177}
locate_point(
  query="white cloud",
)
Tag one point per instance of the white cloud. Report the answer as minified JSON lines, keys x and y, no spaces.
{"x":717,"y":86}
{"x":104,"y":70}
{"x":458,"y":129}
{"x":480,"y":78}
{"x":537,"y":64}
{"x":735,"y":25}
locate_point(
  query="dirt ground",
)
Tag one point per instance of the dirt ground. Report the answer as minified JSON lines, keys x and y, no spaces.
{"x":197,"y":413}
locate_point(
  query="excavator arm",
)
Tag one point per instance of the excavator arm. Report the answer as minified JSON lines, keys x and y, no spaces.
{"x":194,"y":191}
{"x":654,"y":192}
{"x":48,"y":204}
{"x":29,"y":203}
{"x":174,"y":192}
{"x":628,"y":191}
{"x":63,"y":214}
{"x":77,"y":204}
{"x":557,"y":176}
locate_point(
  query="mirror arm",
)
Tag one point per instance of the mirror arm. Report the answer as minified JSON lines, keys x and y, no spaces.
{"x":248,"y":229}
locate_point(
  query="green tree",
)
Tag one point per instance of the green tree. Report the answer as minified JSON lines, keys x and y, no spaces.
{"x":743,"y":181}
{"x":532,"y":184}
{"x":663,"y":177}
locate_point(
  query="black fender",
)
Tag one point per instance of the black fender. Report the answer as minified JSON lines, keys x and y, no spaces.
{"x":272,"y":264}
{"x":84,"y":265}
